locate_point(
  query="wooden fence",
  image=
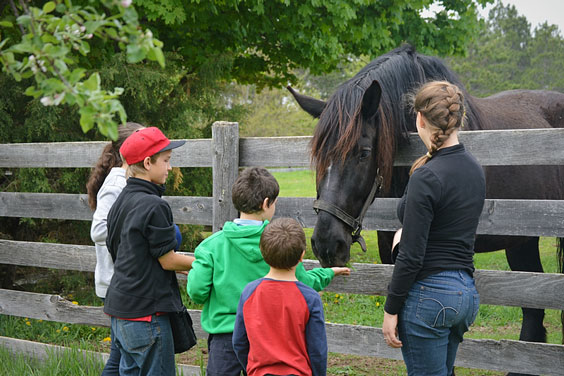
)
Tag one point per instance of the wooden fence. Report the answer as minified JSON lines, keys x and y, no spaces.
{"x":225,"y":152}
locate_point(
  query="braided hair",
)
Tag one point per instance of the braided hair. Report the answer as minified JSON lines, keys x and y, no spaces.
{"x":109,"y":159}
{"x":442,"y":105}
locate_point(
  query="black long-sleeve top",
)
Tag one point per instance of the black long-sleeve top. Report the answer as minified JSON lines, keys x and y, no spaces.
{"x":439,"y":212}
{"x":140,"y":230}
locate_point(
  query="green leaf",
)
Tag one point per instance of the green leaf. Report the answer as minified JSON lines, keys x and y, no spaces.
{"x":135,"y":53}
{"x":156,"y":54}
{"x":76,"y":75}
{"x":93,"y":82}
{"x":111,"y":32}
{"x":55,"y":51}
{"x":87,"y":117}
{"x":111,"y":128}
{"x":84,"y":48}
{"x":49,"y":7}
{"x":6,"y":24}
{"x":33,"y":92}
{"x":130,"y":15}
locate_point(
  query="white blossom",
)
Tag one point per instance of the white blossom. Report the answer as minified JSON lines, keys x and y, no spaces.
{"x":47,"y":101}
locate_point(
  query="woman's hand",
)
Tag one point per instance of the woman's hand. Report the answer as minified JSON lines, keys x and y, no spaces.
{"x":390,"y":330}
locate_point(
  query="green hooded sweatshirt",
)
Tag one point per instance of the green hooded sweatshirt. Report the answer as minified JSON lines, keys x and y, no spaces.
{"x":225,"y":263}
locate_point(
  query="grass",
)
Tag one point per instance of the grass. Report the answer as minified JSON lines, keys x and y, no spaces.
{"x":70,"y":362}
{"x":493,"y":322}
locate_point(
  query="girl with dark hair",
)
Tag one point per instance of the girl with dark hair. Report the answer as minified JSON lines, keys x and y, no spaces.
{"x":106,"y":182}
{"x":432,"y":299}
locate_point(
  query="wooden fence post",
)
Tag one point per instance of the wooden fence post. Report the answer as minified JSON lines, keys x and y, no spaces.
{"x":225,"y":164}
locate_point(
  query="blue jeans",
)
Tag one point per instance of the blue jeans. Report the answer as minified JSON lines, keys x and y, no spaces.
{"x":438,"y":311}
{"x":112,"y":364}
{"x":146,"y":348}
{"x":222,"y":360}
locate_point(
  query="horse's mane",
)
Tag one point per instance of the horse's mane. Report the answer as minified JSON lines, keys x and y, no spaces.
{"x":399,"y":72}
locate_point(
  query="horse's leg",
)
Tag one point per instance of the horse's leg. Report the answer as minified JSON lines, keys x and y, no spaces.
{"x":385,"y":246}
{"x":525,"y":257}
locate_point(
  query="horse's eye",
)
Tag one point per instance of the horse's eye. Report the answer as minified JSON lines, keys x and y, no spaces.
{"x":364,"y":153}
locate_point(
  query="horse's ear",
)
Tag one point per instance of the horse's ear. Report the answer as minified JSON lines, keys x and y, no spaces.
{"x":312,"y":106}
{"x":371,"y":100}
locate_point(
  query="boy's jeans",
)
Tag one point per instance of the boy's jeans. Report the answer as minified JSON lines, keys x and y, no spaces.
{"x":438,"y":311}
{"x":146,"y":347}
{"x":222,"y":360}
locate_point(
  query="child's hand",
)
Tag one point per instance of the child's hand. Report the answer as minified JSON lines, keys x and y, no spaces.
{"x":341,"y":271}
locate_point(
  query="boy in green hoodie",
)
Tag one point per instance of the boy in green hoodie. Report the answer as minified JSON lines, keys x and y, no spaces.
{"x":229,"y":259}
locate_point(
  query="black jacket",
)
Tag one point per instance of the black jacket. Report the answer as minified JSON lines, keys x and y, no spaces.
{"x":439,"y":211}
{"x":140,"y":230}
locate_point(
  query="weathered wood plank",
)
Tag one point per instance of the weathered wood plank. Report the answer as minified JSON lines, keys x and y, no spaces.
{"x":500,"y":147}
{"x":185,"y":209}
{"x":349,"y":339}
{"x":504,"y":355}
{"x":499,"y":217}
{"x":519,"y":289}
{"x":516,"y":289}
{"x":55,"y":308}
{"x":492,"y":148}
{"x":225,"y":169}
{"x":275,"y":152}
{"x":41,"y":351}
{"x":194,"y":153}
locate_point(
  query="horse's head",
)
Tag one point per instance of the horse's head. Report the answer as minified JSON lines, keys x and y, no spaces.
{"x":348,"y":160}
{"x":359,"y":130}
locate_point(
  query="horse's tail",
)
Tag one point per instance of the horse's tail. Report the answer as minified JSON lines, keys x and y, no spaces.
{"x":560,"y":255}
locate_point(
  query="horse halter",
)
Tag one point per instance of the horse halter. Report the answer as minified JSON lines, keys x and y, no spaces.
{"x":354,"y":223}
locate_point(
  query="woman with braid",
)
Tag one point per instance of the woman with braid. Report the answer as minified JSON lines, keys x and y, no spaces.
{"x":432,"y":299}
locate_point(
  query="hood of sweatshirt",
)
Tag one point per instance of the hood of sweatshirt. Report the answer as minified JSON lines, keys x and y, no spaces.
{"x":245,"y":239}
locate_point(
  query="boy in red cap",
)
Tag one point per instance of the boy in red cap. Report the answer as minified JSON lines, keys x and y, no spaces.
{"x":141,"y":240}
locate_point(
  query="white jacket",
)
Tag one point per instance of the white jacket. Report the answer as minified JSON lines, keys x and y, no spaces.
{"x":107,"y":195}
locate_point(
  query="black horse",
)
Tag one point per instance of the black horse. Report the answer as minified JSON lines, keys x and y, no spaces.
{"x":367,"y":119}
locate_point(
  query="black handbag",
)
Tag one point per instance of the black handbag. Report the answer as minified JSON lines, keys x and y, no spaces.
{"x":182,"y":331}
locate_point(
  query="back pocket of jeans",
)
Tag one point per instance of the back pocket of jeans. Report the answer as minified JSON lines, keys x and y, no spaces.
{"x":438,"y":308}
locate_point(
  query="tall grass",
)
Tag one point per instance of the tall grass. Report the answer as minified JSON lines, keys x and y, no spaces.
{"x":70,"y":362}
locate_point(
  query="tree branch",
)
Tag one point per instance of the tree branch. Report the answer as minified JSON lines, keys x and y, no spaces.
{"x":17,"y":14}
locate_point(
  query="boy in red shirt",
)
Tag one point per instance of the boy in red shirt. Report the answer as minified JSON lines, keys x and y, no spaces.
{"x":280,"y":327}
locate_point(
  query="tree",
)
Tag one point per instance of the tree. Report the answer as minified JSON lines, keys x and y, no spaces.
{"x":49,"y":42}
{"x":251,"y":41}
{"x":507,"y":55}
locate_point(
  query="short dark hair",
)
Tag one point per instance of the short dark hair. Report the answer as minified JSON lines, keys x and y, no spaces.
{"x":253,"y":185}
{"x":282,"y":243}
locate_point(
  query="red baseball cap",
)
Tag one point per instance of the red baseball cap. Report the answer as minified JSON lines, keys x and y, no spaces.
{"x":145,"y":143}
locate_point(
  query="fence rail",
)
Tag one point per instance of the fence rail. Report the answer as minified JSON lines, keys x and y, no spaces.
{"x":225,"y":153}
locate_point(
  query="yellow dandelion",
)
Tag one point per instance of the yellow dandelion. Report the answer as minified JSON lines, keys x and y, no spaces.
{"x":58,"y":330}
{"x":74,"y":302}
{"x":40,"y":320}
{"x":107,"y":339}
{"x":28,"y":323}
{"x":336,"y":295}
{"x":65,"y":328}
{"x":377,"y":304}
{"x":93,"y":329}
